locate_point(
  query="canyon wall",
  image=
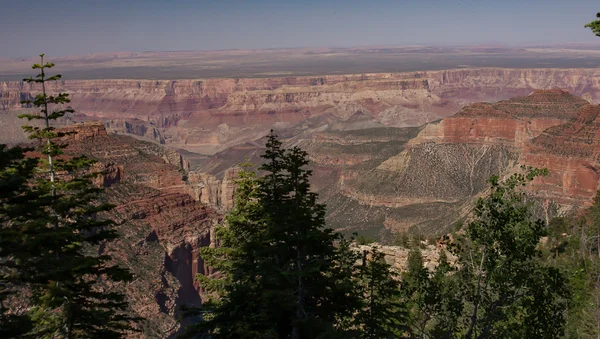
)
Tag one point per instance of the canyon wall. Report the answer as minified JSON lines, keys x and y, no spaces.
{"x":210,"y":115}
{"x":433,"y":179}
{"x":376,"y":166}
{"x":161,"y":222}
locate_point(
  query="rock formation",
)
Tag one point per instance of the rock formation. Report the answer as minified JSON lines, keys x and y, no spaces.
{"x":386,"y":179}
{"x":210,"y":115}
{"x":375,"y":179}
{"x":162,"y":225}
{"x":397,"y":256}
{"x":433,"y":178}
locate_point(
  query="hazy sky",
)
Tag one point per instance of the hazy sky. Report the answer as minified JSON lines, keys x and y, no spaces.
{"x":73,"y":27}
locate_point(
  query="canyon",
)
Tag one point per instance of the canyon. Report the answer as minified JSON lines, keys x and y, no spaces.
{"x":207,"y":116}
{"x":390,"y":153}
{"x":160,"y":218}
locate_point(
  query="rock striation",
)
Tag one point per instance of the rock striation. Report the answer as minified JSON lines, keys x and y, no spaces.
{"x":162,"y":224}
{"x":432,"y":179}
{"x":209,"y":115}
{"x":374,"y":179}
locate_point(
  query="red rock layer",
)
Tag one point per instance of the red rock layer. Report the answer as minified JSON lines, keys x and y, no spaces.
{"x":199,"y":115}
{"x":547,"y":129}
{"x":162,"y":225}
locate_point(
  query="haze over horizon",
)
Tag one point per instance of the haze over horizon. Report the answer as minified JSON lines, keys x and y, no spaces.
{"x":70,"y":27}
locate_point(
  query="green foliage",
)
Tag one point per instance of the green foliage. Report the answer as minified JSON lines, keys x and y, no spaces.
{"x":594,"y":25}
{"x":573,"y":246}
{"x":402,"y":239}
{"x":280,"y":273}
{"x":432,"y":298}
{"x":364,"y":240}
{"x":383,"y":314}
{"x":50,"y":236}
{"x":500,"y":286}
{"x":15,"y":171}
{"x":507,"y":290}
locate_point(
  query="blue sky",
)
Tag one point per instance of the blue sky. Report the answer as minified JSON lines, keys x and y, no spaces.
{"x":75,"y":27}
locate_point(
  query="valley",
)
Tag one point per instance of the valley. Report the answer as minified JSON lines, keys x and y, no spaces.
{"x":300,"y":170}
{"x":378,"y":181}
{"x":391,"y":152}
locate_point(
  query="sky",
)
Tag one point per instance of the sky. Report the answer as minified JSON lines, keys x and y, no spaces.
{"x":79,"y":27}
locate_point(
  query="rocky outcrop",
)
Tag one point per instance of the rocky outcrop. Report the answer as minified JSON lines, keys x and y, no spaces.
{"x":84,"y":132}
{"x":209,"y":190}
{"x":135,"y":127}
{"x":397,"y":256}
{"x":547,"y":129}
{"x":162,"y":225}
{"x":210,"y":115}
{"x":431,"y":181}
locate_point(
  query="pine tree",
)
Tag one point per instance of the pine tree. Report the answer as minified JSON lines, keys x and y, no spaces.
{"x":53,"y":245}
{"x":15,"y":197}
{"x":414,"y":286}
{"x":282,"y":275}
{"x":594,"y":25}
{"x":431,"y":297}
{"x":383,"y":314}
{"x":235,"y":306}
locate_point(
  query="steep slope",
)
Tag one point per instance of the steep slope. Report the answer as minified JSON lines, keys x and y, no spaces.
{"x":439,"y":172}
{"x":160,"y":220}
{"x":386,"y":179}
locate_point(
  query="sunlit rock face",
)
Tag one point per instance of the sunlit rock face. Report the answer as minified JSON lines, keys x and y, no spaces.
{"x":429,"y":177}
{"x":210,"y":115}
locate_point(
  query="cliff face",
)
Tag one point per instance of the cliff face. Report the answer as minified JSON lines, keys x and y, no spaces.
{"x":214,"y":192}
{"x":162,"y":225}
{"x":386,"y":179}
{"x":432,"y":179}
{"x":547,"y":129}
{"x":210,"y":115}
{"x":376,"y":165}
{"x":374,"y":179}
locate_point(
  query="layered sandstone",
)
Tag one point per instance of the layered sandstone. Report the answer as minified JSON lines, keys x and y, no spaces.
{"x":434,"y":177}
{"x":210,"y":190}
{"x":546,"y":129}
{"x":210,"y":115}
{"x":162,"y":225}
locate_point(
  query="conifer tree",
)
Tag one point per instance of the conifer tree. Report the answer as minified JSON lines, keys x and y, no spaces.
{"x":51,"y":248}
{"x":431,"y":297}
{"x":415,"y":283}
{"x":235,"y":265}
{"x":15,"y":197}
{"x":383,"y":314}
{"x":594,"y":25}
{"x":282,"y":275}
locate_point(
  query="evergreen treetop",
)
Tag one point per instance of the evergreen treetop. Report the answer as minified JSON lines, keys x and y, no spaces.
{"x":51,"y":228}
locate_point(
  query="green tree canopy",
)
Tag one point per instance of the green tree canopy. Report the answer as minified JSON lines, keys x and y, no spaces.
{"x":594,"y":25}
{"x":51,"y":232}
{"x":280,"y":273}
